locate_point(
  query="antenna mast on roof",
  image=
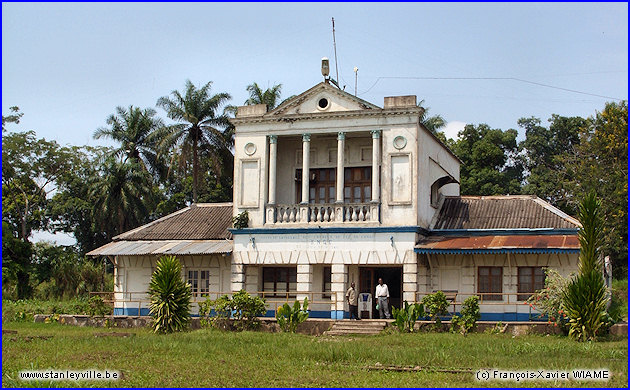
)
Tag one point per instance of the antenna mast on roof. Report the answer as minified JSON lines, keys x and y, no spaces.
{"x":335,"y":48}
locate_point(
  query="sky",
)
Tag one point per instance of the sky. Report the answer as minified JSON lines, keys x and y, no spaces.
{"x":69,"y":65}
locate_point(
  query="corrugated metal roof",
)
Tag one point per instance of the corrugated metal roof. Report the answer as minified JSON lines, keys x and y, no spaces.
{"x":492,"y":242}
{"x":163,"y":247}
{"x":501,"y":212}
{"x":203,"y":221}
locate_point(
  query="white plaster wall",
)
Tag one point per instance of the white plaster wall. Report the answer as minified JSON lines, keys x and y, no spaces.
{"x":260,"y":189}
{"x":430,"y":149}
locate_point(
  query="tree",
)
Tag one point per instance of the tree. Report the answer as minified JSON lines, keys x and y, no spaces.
{"x":489,"y":161}
{"x":16,"y":261}
{"x":432,"y":123}
{"x":585,"y":296}
{"x":122,"y":196}
{"x":199,"y":125}
{"x":137,"y":132}
{"x":12,"y":118}
{"x":599,"y":163}
{"x":544,"y":158}
{"x":270,"y":96}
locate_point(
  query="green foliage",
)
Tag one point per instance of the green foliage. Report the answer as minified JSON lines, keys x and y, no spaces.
{"x":406,"y":317}
{"x":585,"y":296}
{"x":170,"y":297}
{"x":600,"y":163}
{"x":24,"y":309}
{"x":198,"y":128}
{"x":496,"y":329}
{"x":16,"y":262}
{"x":289,"y":318}
{"x":490,"y":166}
{"x":269,"y":97}
{"x":241,"y":221}
{"x":435,"y":305}
{"x":469,"y":315}
{"x":98,"y":307}
{"x":549,"y":302}
{"x":241,"y":306}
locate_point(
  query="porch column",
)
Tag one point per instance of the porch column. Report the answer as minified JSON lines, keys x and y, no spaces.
{"x":341,"y":141}
{"x":410,"y":277}
{"x":273,"y":156}
{"x":306,"y":156}
{"x":304,"y":282}
{"x":339,"y":280}
{"x":238,"y":277}
{"x":376,"y":156}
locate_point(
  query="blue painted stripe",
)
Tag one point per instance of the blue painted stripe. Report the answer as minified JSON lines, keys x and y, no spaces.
{"x":340,"y":314}
{"x":501,"y":232}
{"x":493,"y":251}
{"x":336,"y":229}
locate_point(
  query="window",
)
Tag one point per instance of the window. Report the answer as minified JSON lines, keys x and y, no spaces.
{"x":279,"y":280}
{"x":357,"y":185}
{"x":321,"y":185}
{"x":326,"y":283}
{"x":199,"y":281}
{"x":490,"y":280}
{"x":530,"y":279}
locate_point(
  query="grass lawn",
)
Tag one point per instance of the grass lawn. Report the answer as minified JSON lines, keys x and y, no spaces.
{"x":211,"y":358}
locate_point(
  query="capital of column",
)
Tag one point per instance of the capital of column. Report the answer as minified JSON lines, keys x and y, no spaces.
{"x":273,"y":139}
{"x":341,"y":136}
{"x":376,"y":133}
{"x":306,"y":137}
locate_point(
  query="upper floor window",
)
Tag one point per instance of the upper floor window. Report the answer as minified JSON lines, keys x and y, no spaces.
{"x":323,"y":181}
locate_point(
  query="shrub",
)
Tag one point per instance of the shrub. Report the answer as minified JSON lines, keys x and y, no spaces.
{"x":246,"y":309}
{"x":585,"y":296}
{"x":98,"y":307}
{"x":170,"y":297}
{"x":469,"y":315}
{"x":289,"y":318}
{"x":435,"y":305}
{"x":241,"y":221}
{"x":222,"y":312}
{"x":406,"y":317}
{"x":548,"y":301}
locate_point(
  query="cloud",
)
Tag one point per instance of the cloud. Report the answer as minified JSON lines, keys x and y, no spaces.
{"x":452,"y":128}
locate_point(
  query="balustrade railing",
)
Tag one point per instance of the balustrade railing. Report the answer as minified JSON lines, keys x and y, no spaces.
{"x":323,"y":213}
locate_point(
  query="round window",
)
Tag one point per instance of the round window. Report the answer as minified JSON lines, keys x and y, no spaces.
{"x":323,"y":103}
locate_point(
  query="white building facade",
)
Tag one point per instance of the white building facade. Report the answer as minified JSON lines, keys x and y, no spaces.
{"x":339,"y":190}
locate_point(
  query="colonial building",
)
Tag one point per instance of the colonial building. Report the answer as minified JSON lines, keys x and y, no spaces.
{"x":338,"y":190}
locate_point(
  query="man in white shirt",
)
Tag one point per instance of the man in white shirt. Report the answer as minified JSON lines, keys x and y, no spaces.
{"x":382,"y":296}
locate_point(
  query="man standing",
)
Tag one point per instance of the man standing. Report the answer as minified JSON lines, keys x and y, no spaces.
{"x":382,"y":296}
{"x":351,"y":297}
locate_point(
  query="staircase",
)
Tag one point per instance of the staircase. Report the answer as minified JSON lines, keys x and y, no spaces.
{"x":353,"y":327}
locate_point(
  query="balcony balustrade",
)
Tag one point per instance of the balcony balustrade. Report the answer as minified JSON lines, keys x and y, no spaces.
{"x":322,"y":213}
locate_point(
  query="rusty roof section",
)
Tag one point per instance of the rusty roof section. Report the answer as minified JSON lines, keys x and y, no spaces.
{"x":501,"y":212}
{"x":201,"y":221}
{"x":501,"y":242}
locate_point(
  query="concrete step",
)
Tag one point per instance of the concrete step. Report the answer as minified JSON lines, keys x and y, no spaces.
{"x":352,"y":327}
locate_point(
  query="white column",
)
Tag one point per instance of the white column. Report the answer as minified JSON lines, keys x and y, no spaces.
{"x":306,"y":156}
{"x":339,"y":280}
{"x":273,"y":156}
{"x":410,"y":277}
{"x":341,"y":141}
{"x":304,"y":282}
{"x":376,"y":156}
{"x":238,"y":277}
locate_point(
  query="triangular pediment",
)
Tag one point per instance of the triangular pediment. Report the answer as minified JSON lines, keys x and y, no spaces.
{"x":322,"y":98}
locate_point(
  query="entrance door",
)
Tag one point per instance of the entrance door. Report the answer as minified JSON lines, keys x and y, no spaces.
{"x":392,"y":277}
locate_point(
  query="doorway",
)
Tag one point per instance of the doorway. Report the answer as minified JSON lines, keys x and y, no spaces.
{"x":392,"y":277}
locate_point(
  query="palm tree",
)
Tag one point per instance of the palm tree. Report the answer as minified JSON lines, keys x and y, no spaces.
{"x":270,"y":96}
{"x":135,"y":130}
{"x":199,"y":122}
{"x":121,"y":194}
{"x":432,"y":123}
